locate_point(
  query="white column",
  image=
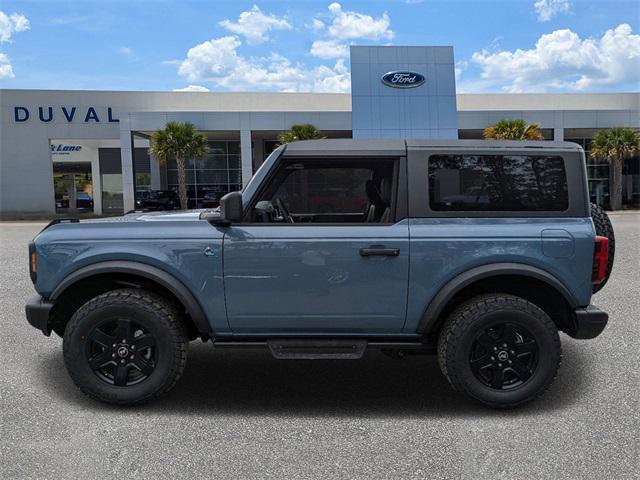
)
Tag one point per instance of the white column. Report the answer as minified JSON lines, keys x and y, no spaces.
{"x":96,"y":183}
{"x":246,"y":156}
{"x":126,"y":155}
{"x":558,"y":134}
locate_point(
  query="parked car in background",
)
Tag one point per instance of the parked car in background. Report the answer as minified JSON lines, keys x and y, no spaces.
{"x":211,"y":198}
{"x":84,"y":201}
{"x":157,"y":200}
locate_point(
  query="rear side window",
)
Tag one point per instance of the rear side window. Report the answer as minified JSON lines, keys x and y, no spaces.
{"x":499,"y":183}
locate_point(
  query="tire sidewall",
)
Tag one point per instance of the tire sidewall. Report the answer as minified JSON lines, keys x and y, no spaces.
{"x":543,"y":374}
{"x":75,"y":344}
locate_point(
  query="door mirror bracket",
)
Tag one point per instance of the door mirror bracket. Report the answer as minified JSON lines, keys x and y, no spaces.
{"x":230,"y":211}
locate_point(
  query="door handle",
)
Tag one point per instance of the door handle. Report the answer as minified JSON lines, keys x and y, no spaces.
{"x":376,"y":251}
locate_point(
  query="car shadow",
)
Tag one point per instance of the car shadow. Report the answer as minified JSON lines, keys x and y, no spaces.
{"x":252,"y":382}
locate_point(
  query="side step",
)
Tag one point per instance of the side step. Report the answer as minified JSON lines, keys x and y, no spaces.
{"x":291,"y":349}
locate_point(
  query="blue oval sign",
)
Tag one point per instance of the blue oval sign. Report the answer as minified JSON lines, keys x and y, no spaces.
{"x":402,"y":79}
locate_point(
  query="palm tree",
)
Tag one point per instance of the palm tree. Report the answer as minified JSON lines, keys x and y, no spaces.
{"x":180,"y":141}
{"x":615,"y":145}
{"x":305,"y":131}
{"x":513,"y":130}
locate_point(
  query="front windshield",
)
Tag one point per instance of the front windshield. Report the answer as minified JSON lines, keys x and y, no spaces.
{"x":250,"y":189}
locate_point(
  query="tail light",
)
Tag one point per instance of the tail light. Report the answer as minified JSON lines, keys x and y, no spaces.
{"x":33,"y":262}
{"x":600,"y":258}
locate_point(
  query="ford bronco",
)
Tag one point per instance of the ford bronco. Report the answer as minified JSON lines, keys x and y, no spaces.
{"x":478,"y":251}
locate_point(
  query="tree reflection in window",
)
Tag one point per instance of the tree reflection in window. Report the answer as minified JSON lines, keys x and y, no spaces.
{"x":497,"y":183}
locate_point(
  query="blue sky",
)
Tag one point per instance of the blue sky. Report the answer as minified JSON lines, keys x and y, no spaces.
{"x":502,"y":46}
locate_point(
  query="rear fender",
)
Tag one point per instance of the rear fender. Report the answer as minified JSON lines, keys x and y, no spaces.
{"x":458,"y":283}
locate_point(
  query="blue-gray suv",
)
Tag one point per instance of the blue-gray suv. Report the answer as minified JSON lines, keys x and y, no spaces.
{"x":478,"y":251}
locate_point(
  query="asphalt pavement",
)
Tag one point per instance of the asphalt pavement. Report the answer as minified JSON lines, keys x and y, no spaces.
{"x":242,"y":414}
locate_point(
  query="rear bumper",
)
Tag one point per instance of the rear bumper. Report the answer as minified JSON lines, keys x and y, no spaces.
{"x":588,"y":322}
{"x":38,"y":311}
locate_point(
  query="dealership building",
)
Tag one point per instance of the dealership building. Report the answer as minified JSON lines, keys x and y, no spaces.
{"x":86,"y":151}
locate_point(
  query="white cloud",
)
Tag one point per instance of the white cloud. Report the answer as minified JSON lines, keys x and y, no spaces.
{"x":214,"y":57}
{"x":562,"y":60}
{"x":317,"y":25}
{"x":126,"y":51}
{"x":460,"y":67}
{"x":332,"y":80}
{"x":329,"y":49}
{"x":254,"y":25}
{"x":10,"y":24}
{"x":6,"y":70}
{"x":346,"y":25}
{"x":192,"y":88}
{"x":547,"y":9}
{"x":217,"y":61}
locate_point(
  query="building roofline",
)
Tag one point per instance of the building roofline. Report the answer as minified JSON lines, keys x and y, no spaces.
{"x":341,"y":102}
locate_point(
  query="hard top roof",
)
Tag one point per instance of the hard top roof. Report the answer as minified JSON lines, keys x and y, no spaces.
{"x":395,"y":147}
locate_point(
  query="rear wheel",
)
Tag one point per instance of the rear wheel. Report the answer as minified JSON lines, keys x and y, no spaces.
{"x":125,"y":346}
{"x":500,"y":349}
{"x":604,"y":228}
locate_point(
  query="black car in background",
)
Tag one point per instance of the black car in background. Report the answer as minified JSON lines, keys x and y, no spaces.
{"x":211,"y":198}
{"x":84,"y":201}
{"x":157,"y":200}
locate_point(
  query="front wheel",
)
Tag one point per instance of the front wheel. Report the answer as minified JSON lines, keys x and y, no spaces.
{"x":499,"y":349}
{"x":126,"y":346}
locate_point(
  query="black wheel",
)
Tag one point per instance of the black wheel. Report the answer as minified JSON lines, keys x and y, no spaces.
{"x":604,"y":228}
{"x":500,"y":349}
{"x":125,"y":346}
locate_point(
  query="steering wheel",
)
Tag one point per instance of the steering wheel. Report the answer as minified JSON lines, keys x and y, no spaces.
{"x":283,"y":211}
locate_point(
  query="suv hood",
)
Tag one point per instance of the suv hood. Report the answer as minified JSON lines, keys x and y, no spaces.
{"x":170,"y":216}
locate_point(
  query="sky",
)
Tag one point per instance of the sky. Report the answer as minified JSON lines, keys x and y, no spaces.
{"x":510,"y":46}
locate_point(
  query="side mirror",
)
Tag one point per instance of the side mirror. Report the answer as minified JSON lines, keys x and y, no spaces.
{"x":231,"y":207}
{"x":230,"y":211}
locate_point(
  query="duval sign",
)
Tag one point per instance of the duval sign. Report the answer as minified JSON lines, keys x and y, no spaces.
{"x":69,"y":114}
{"x":403,"y":79}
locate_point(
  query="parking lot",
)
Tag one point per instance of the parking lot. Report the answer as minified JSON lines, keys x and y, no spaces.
{"x":245,"y":415}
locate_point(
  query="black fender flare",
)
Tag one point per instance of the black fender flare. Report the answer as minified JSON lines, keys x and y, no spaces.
{"x":168,"y":281}
{"x":456,"y":284}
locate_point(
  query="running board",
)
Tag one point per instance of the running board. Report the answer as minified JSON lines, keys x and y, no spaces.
{"x":293,"y":349}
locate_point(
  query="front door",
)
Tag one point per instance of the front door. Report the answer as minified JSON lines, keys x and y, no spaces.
{"x":321,"y":252}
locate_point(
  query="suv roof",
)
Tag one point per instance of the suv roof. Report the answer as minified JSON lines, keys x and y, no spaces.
{"x":393,"y":147}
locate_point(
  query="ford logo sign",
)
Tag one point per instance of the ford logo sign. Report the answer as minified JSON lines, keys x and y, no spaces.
{"x":401,"y":79}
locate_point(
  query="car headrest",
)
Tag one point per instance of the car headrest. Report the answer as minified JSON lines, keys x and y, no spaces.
{"x":373,"y":194}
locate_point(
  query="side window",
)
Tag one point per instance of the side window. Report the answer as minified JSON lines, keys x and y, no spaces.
{"x":328,"y":191}
{"x":309,"y":191}
{"x":498,"y":183}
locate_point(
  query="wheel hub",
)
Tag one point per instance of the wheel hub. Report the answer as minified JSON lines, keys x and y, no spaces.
{"x":504,"y":356}
{"x":122,"y":351}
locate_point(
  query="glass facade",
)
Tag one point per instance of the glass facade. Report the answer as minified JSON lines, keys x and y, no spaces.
{"x":212,"y":176}
{"x":73,"y":187}
{"x":597,"y":173}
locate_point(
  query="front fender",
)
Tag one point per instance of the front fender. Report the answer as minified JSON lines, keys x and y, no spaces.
{"x":168,"y":281}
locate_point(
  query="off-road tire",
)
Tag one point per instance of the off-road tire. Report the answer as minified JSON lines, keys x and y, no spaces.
{"x":147,"y":309}
{"x":604,"y":228}
{"x":471,"y":318}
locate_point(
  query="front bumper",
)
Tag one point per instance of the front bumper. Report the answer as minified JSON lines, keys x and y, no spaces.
{"x":38,"y":311}
{"x":587,"y":322}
